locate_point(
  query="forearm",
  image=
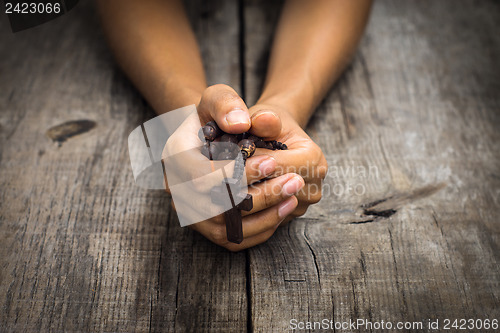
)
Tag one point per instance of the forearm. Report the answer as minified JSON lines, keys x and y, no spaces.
{"x":313,"y":43}
{"x":155,"y":45}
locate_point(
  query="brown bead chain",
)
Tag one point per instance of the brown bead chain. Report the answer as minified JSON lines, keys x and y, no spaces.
{"x":247,"y":143}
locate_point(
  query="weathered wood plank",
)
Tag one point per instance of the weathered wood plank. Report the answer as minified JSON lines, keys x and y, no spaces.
{"x":417,"y":107}
{"x":81,"y":247}
{"x":79,"y":240}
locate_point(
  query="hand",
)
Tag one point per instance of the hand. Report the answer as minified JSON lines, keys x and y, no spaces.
{"x":273,"y":200}
{"x":303,"y":156}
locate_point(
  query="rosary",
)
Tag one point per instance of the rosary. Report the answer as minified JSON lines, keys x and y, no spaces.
{"x":247,"y":144}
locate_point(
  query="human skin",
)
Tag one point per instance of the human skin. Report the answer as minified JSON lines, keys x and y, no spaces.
{"x":314,"y":40}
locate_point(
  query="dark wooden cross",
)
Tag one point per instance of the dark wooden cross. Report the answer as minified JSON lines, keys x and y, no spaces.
{"x":226,"y":195}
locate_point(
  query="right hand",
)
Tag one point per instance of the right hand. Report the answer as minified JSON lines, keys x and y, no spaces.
{"x":273,"y":199}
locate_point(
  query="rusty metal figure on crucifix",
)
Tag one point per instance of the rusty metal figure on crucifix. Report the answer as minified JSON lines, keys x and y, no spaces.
{"x":229,"y":192}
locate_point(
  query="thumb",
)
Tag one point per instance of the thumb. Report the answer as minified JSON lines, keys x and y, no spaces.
{"x":221,"y":103}
{"x":265,"y":122}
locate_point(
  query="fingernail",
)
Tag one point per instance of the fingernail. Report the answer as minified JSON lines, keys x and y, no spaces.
{"x":267,"y":166}
{"x":286,"y":207}
{"x":293,"y":185}
{"x":265,"y":112}
{"x":237,"y":117}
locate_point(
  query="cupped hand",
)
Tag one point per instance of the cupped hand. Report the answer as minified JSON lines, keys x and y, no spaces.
{"x":303,"y":157}
{"x":274,"y":199}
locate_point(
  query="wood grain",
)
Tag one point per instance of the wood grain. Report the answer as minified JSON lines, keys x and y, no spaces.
{"x":406,"y":229}
{"x":83,"y":248}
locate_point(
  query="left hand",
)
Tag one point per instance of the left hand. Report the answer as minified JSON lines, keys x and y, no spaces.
{"x":303,"y":156}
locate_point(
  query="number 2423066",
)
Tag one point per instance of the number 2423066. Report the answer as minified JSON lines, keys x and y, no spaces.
{"x":32,"y":8}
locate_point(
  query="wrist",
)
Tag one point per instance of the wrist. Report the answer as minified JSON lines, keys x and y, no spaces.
{"x":172,"y":100}
{"x":286,"y":106}
{"x":297,"y":98}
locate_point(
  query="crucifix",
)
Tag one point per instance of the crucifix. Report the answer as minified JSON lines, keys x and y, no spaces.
{"x":232,"y":214}
{"x":230,"y":191}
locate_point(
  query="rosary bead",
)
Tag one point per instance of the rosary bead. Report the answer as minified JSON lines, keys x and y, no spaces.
{"x":213,"y":124}
{"x":247,"y":143}
{"x":260,"y":143}
{"x":269,"y":145}
{"x":209,"y":132}
{"x":254,"y":138}
{"x":247,"y":146}
{"x":282,"y":146}
{"x":245,"y":135}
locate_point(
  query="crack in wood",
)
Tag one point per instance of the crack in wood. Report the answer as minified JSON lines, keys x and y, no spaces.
{"x":354,"y":296}
{"x":398,"y":286}
{"x":314,"y":256}
{"x":386,"y":207}
{"x":177,"y":296}
{"x":363,"y":221}
{"x":293,"y":280}
{"x":248,"y":276}
{"x":348,"y":124}
{"x":333,"y":311}
{"x":362,"y":262}
{"x":383,"y":213}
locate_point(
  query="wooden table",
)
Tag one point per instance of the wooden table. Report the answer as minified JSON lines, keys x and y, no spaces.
{"x":413,"y":124}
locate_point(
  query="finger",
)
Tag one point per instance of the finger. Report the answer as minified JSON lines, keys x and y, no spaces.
{"x":300,"y":210}
{"x":259,"y":167}
{"x":257,"y":228}
{"x":306,"y":160}
{"x":269,"y":220}
{"x":265,"y":123}
{"x":287,"y":220}
{"x":259,"y":222}
{"x":307,"y":196}
{"x":311,"y":193}
{"x":273,"y":191}
{"x":251,"y":241}
{"x":226,"y":107}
